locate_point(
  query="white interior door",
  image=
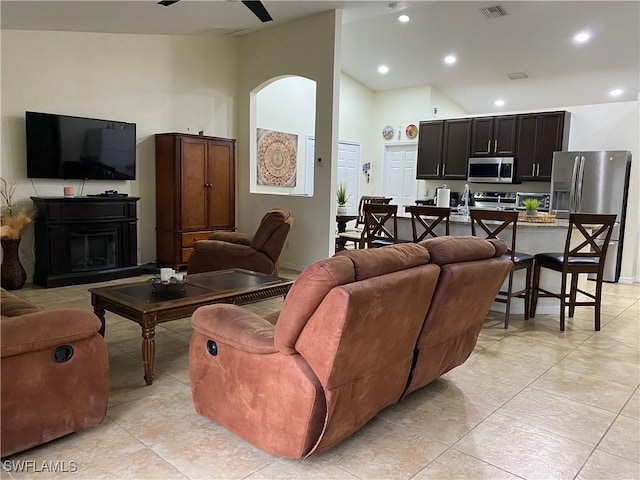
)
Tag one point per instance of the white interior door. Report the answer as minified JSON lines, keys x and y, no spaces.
{"x":399,"y":173}
{"x":349,"y":172}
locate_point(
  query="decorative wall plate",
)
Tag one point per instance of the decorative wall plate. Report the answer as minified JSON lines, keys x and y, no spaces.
{"x":411,"y":131}
{"x":387,"y":132}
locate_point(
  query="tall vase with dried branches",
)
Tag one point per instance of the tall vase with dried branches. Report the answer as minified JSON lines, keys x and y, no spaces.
{"x":13,"y":220}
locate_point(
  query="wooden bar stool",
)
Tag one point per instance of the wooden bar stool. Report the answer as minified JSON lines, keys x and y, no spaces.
{"x":595,"y":232}
{"x":425,"y":219}
{"x":356,"y":235}
{"x":380,"y":225}
{"x":492,"y":223}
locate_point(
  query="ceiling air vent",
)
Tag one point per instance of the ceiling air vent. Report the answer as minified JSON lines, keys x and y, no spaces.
{"x":493,"y":12}
{"x":517,"y":76}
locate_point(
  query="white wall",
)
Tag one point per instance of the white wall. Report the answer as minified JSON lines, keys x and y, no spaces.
{"x":310,"y":48}
{"x":162,"y":83}
{"x":400,"y":108}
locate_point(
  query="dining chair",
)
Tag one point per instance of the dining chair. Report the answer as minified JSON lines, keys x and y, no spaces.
{"x":587,"y":255}
{"x":356,"y":235}
{"x":380,"y":224}
{"x":492,"y":223}
{"x":425,"y":219}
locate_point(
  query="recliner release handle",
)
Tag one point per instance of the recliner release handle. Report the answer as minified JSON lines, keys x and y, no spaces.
{"x":212,"y":348}
{"x":62,"y":354}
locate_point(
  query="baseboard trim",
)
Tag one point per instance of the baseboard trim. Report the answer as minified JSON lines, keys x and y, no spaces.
{"x":629,"y":280}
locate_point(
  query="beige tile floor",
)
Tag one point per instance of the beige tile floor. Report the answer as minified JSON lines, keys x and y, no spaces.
{"x":530,"y":403}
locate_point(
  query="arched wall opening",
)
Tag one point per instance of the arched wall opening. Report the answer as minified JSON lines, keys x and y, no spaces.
{"x":282,"y":120}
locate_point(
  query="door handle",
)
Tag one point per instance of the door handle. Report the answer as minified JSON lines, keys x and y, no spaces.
{"x":488,"y":146}
{"x":438,"y":170}
{"x":574,"y":179}
{"x":538,"y":170}
{"x":533,"y":170}
{"x":579,"y":189}
{"x":444,"y":166}
{"x":495,"y":145}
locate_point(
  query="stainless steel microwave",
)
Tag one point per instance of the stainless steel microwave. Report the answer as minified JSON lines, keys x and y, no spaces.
{"x":492,"y":170}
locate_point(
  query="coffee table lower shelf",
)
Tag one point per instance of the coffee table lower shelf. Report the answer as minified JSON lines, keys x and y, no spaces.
{"x":138,"y":301}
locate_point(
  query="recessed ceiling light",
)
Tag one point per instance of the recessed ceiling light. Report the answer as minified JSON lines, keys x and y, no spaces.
{"x":582,"y":37}
{"x":450,"y":59}
{"x":499,"y":103}
{"x":383,"y":69}
{"x":616,"y":92}
{"x":404,"y":18}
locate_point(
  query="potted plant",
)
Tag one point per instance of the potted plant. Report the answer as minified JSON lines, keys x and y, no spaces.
{"x":531,"y":204}
{"x":342,"y":197}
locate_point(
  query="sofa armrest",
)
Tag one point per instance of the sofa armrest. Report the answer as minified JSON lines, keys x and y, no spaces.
{"x":218,"y":247}
{"x":41,"y":330}
{"x":232,"y":237}
{"x":211,"y":255}
{"x":235,"y":326}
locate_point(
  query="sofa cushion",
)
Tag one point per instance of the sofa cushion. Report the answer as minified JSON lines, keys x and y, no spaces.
{"x":12,"y":305}
{"x":444,"y":250}
{"x":380,"y":261}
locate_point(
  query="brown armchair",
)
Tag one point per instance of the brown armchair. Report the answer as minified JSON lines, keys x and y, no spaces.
{"x":260,"y":252}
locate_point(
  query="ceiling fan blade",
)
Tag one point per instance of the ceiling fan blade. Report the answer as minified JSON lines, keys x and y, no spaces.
{"x":258,"y":10}
{"x":166,"y":3}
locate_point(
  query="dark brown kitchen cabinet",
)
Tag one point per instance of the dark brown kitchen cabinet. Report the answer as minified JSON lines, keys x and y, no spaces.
{"x":443,"y":149}
{"x":195,"y":192}
{"x":430,"y":136}
{"x":539,"y":135}
{"x":494,"y":136}
{"x":457,"y":135}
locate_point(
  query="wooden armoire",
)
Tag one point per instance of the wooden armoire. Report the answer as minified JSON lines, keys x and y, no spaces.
{"x":195,"y":192}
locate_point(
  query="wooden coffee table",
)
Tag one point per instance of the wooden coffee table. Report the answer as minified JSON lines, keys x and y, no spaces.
{"x":142,"y":304}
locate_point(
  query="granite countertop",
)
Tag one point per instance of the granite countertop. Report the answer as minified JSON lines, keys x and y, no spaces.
{"x":559,"y":223}
{"x":462,"y":219}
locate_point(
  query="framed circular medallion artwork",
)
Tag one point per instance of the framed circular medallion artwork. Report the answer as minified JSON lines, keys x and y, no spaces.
{"x":411,"y":131}
{"x":277,"y":158}
{"x":387,"y":132}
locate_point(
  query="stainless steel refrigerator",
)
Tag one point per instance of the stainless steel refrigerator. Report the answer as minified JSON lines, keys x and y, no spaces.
{"x":594,"y":182}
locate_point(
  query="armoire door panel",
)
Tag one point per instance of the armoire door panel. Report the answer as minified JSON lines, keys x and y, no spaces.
{"x":221,"y":189}
{"x":193,"y":205}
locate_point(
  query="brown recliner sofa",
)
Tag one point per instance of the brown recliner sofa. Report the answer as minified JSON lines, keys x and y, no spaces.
{"x":356,"y":333}
{"x":260,"y":252}
{"x":54,"y":371}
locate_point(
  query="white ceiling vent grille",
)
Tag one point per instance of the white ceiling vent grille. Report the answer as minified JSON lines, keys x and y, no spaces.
{"x":517,"y":76}
{"x":493,"y":12}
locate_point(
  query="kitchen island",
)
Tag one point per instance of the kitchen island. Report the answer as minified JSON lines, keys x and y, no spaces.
{"x":531,"y":238}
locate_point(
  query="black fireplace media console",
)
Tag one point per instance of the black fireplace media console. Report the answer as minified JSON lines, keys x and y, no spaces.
{"x":85,"y":240}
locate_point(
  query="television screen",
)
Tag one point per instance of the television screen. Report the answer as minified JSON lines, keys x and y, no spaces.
{"x":61,"y":146}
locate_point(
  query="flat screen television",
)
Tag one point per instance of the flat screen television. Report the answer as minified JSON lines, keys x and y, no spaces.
{"x":61,"y":146}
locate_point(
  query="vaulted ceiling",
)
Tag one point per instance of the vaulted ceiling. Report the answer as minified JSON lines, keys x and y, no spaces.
{"x":534,"y":38}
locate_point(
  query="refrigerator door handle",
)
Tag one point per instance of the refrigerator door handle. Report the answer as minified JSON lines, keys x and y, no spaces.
{"x":579,"y":186}
{"x":574,"y":180}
